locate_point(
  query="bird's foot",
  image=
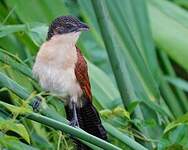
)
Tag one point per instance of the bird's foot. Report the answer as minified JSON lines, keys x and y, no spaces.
{"x":36,"y":104}
{"x":74,"y":123}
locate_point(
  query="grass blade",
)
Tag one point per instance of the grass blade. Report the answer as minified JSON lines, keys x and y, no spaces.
{"x":178,"y":82}
{"x":169,"y":34}
{"x":124,"y":138}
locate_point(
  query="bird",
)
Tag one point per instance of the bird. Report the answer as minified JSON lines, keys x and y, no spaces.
{"x":61,"y":68}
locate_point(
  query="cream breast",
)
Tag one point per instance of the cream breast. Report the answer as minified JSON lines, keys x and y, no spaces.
{"x":55,"y":63}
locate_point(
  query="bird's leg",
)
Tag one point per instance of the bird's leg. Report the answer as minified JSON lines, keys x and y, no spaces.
{"x":74,"y":121}
{"x":36,"y":104}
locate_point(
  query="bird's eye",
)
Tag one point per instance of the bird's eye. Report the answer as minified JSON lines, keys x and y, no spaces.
{"x":69,"y":25}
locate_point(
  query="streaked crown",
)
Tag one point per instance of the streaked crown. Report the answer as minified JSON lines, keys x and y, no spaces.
{"x":66,"y":24}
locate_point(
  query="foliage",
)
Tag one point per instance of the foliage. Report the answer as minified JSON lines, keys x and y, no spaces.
{"x":137,"y":58}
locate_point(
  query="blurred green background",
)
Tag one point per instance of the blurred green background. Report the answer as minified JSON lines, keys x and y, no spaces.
{"x":137,"y":53}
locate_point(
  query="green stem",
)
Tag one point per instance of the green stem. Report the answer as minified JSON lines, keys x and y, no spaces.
{"x":71,"y":130}
{"x":123,"y":137}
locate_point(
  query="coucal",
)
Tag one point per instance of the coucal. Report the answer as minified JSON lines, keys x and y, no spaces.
{"x":61,"y":69}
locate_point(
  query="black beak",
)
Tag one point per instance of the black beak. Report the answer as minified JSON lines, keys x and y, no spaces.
{"x":82,"y":27}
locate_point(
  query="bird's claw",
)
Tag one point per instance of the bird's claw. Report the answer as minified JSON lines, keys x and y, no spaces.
{"x":74,"y":123}
{"x":36,"y":104}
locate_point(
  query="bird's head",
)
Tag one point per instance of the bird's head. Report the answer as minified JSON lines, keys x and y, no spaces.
{"x":65,"y":25}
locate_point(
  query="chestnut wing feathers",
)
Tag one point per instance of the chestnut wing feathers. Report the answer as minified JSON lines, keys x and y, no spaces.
{"x":81,"y":73}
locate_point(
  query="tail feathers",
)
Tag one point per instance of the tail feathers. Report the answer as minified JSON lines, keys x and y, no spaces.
{"x":92,"y":122}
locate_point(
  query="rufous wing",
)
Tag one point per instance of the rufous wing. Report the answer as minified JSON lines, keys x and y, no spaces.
{"x":81,"y":72}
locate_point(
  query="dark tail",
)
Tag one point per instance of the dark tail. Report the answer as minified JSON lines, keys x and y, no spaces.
{"x":92,"y":121}
{"x":89,"y":121}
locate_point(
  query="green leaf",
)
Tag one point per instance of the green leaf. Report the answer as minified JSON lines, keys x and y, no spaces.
{"x":120,"y":111}
{"x":123,"y":137}
{"x":171,"y":72}
{"x":14,"y":109}
{"x":38,"y":33}
{"x":178,"y":82}
{"x":9,"y":29}
{"x":13,"y":143}
{"x":18,"y":128}
{"x":169,"y":33}
{"x":13,"y":86}
{"x":181,"y":120}
{"x":132,"y":106}
{"x":104,"y":93}
{"x":7,"y":59}
{"x":183,"y":3}
{"x":175,"y":139}
{"x":42,"y":11}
